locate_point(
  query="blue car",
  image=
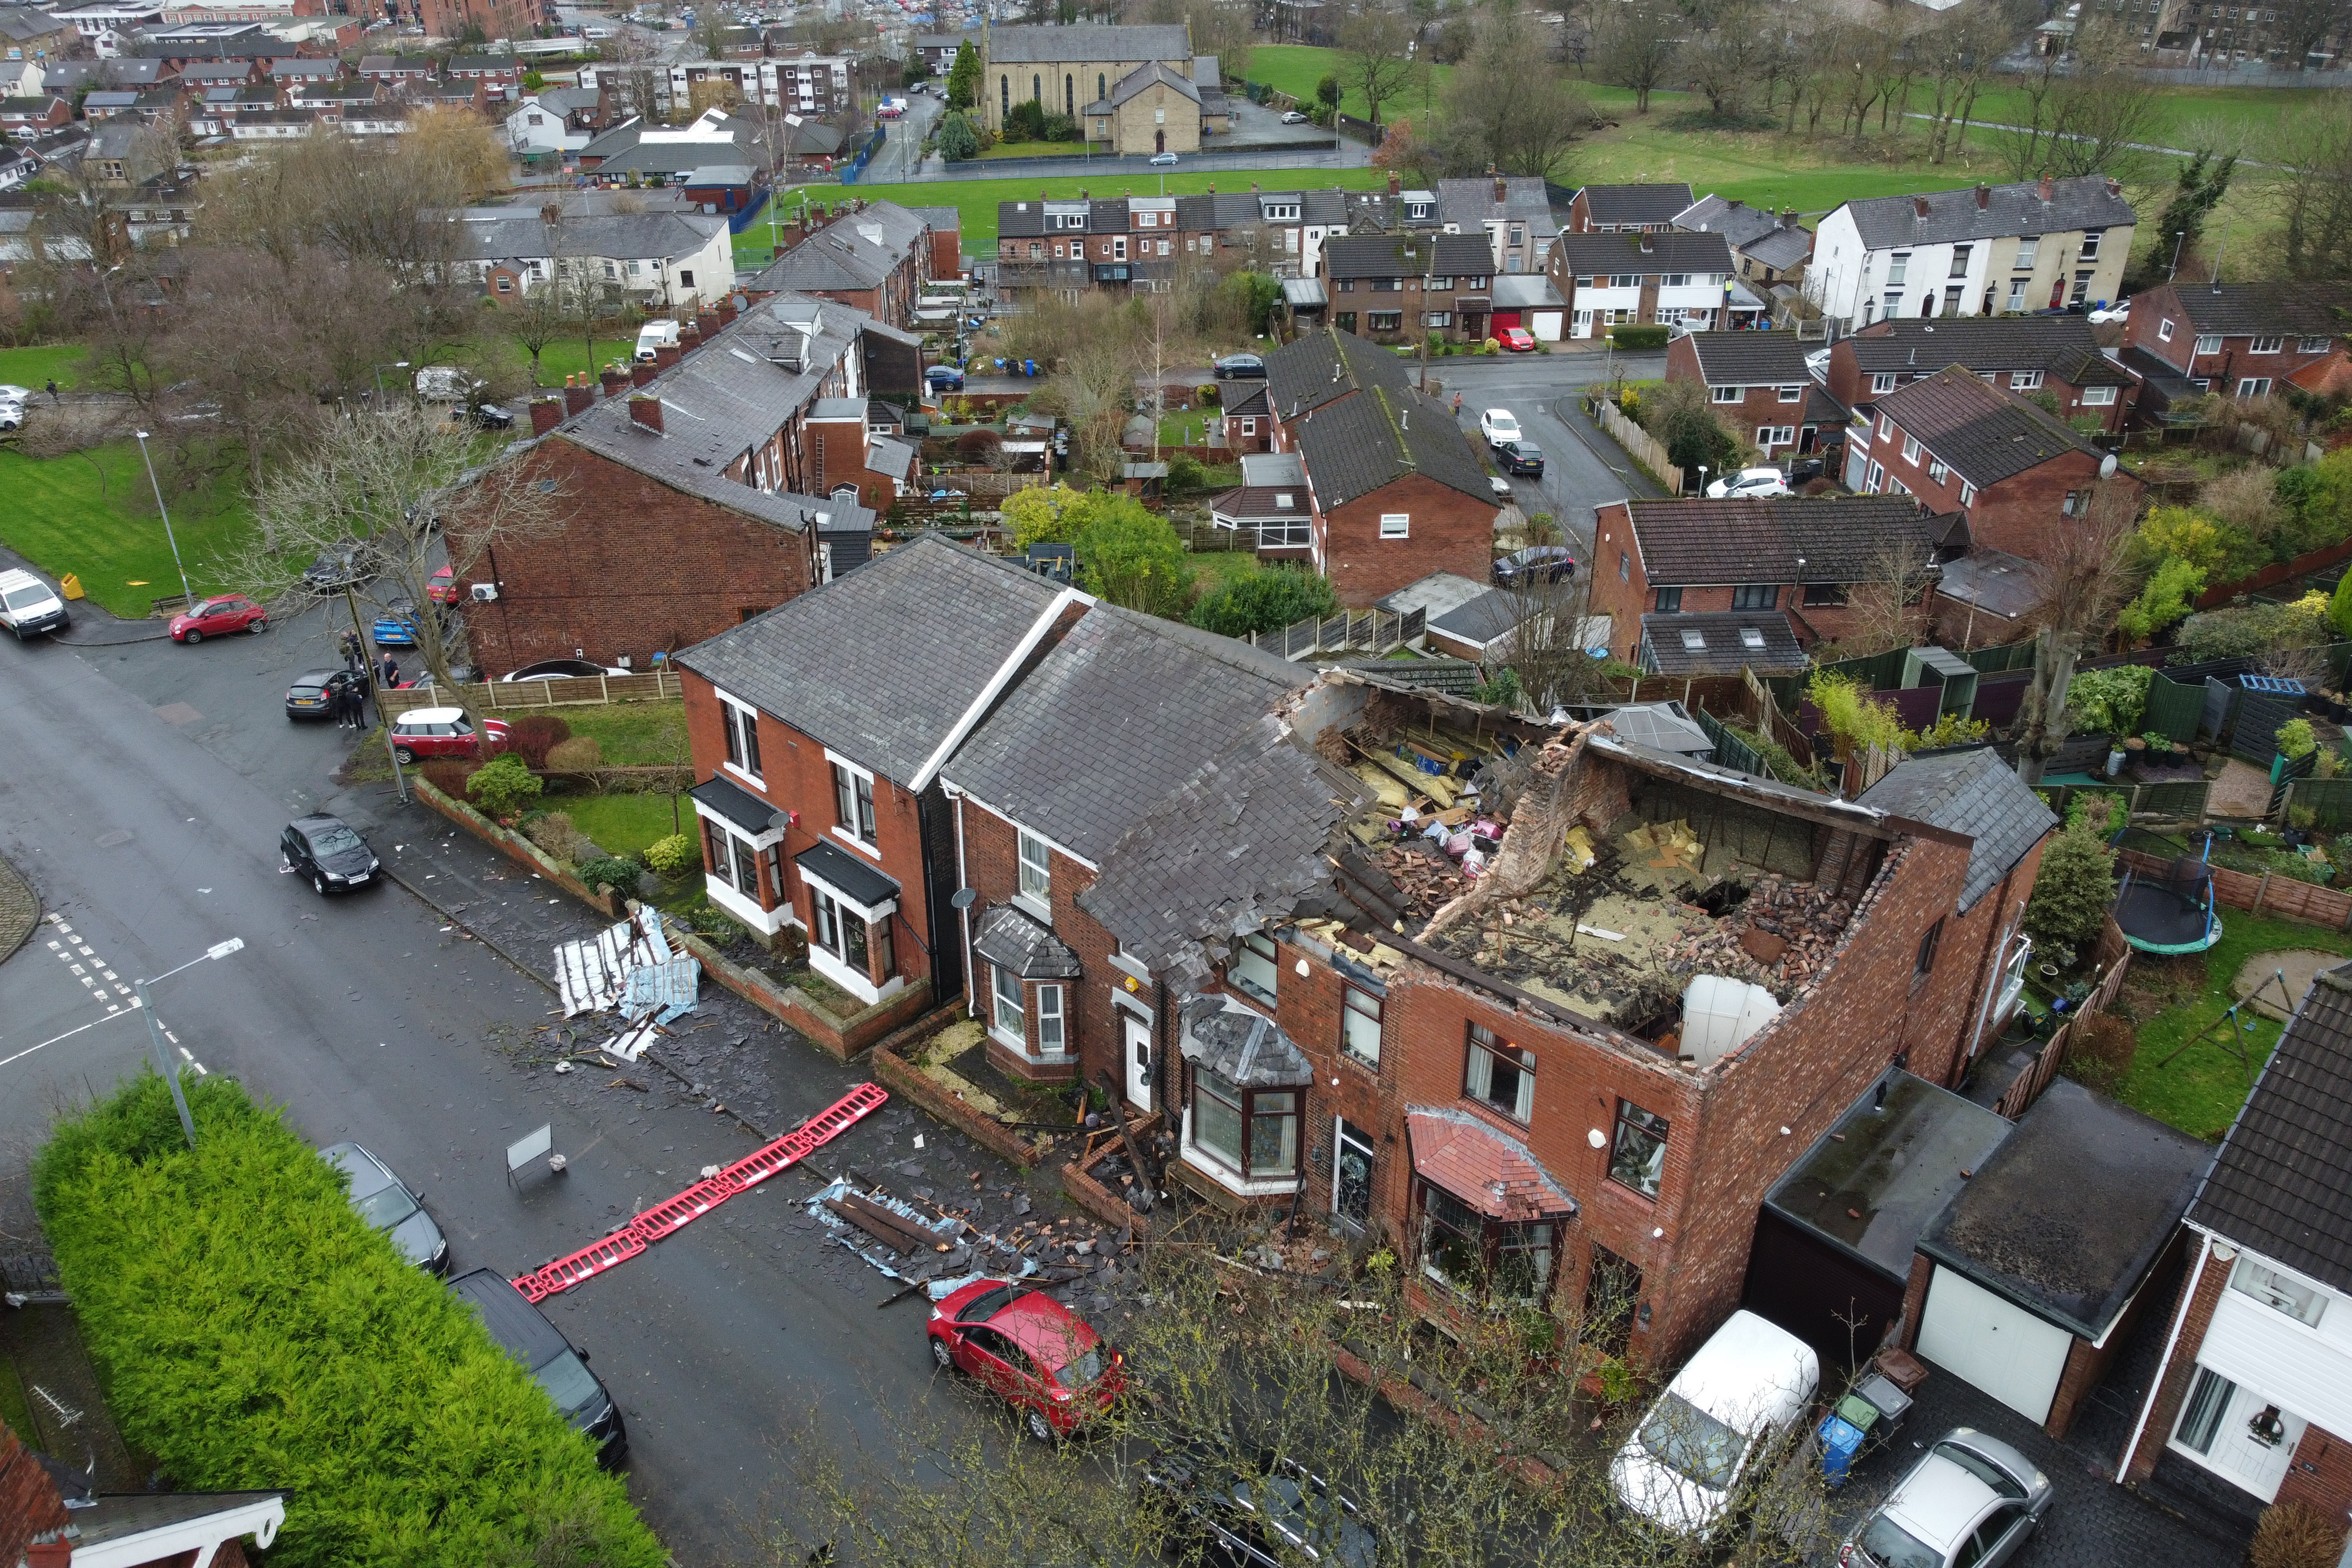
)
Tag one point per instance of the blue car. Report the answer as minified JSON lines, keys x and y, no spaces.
{"x":396,"y":629}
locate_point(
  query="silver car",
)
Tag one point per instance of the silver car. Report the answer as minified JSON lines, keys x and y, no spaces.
{"x":389,"y":1204}
{"x":1971,"y":1501}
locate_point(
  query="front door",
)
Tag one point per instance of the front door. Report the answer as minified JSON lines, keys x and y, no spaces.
{"x":1139,"y":1059}
{"x":2236,"y":1432}
{"x":1160,"y":142}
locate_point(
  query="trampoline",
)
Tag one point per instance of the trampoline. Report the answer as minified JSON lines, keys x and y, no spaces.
{"x":2171,"y":913}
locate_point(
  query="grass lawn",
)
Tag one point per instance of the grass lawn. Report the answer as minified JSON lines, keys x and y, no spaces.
{"x":92,"y":514}
{"x":2172,"y":998}
{"x":1295,"y":68}
{"x":1760,"y":168}
{"x":1212,"y":569}
{"x":36,"y":366}
{"x":976,"y":200}
{"x":625,"y":824}
{"x":1189,"y":429}
{"x":2184,"y":116}
{"x":631,"y":735}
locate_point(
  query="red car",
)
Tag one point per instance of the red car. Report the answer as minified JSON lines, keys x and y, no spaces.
{"x":442,"y":589}
{"x":216,"y":617}
{"x":1030,"y":1351}
{"x":440,"y":732}
{"x":1518,"y":340}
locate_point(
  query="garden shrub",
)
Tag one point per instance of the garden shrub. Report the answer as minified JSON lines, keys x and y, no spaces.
{"x":533,"y":735}
{"x":503,"y":786}
{"x":611,"y":871}
{"x":579,"y":754}
{"x":675,"y":855}
{"x":253,"y":1332}
{"x":1639,"y":337}
{"x":1264,"y":600}
{"x":2296,"y":739}
{"x":449,"y":774}
{"x":2296,"y":1535}
{"x":555,"y":832}
{"x":2108,"y":702}
{"x":2075,"y":885}
{"x":1133,"y":559}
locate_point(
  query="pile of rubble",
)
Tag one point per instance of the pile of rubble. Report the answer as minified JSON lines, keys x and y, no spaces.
{"x":1780,"y":938}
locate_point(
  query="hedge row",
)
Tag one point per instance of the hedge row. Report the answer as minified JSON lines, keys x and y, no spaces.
{"x":251,"y":1332}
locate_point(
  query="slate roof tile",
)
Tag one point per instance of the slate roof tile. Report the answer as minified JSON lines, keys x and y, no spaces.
{"x":1986,"y":434}
{"x":2089,"y":202}
{"x":1695,"y":543}
{"x":1634,"y":204}
{"x":1971,"y":792}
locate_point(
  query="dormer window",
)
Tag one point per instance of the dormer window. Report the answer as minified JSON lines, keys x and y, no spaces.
{"x":1281,"y":212}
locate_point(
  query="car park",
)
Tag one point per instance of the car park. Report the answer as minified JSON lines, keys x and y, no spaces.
{"x":1721,"y":1417}
{"x":312,"y":693}
{"x":1283,"y":1515}
{"x":218,"y":617}
{"x":391,"y":1206}
{"x":523,"y":1332}
{"x":1030,"y":1351}
{"x":1163,"y":161}
{"x":943,"y":378}
{"x":1522,"y":458}
{"x":29,"y":606}
{"x":1970,"y":1502}
{"x":1518,"y":339}
{"x":1536,"y":563}
{"x":1749,"y":483}
{"x":1242,"y":365}
{"x":1498,"y":426}
{"x":329,"y":853}
{"x":441,"y":732}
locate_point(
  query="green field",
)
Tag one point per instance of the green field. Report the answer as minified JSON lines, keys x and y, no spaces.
{"x":1295,"y":68}
{"x":34,"y":368}
{"x":92,"y":515}
{"x":2185,"y":115}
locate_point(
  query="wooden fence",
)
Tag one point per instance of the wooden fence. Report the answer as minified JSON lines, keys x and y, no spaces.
{"x":2261,"y":894}
{"x":2112,"y":954}
{"x":1373,"y":631}
{"x":570,"y":691}
{"x":1639,"y":444}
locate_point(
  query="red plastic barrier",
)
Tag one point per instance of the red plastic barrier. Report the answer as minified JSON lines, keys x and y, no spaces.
{"x":670,"y":1216}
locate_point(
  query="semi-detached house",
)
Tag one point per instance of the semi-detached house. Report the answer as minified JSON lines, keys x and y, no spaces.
{"x":1985,"y":251}
{"x":2243,"y":340}
{"x":1757,"y":385}
{"x":1405,"y":286}
{"x":1663,"y":278}
{"x":2054,"y":355}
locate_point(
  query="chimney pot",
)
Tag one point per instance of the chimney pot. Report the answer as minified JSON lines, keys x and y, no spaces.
{"x":1918,"y":207}
{"x":1984,"y":195}
{"x":647,"y":411}
{"x":2049,"y":188}
{"x":612,"y":378}
{"x":577,"y":398}
{"x":546,"y":413}
{"x":2115,"y":186}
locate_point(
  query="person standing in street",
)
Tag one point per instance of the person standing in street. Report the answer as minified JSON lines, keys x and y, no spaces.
{"x":343,"y":707}
{"x":1457,"y":405}
{"x":54,"y":397}
{"x":390,"y":674}
{"x":354,"y":660}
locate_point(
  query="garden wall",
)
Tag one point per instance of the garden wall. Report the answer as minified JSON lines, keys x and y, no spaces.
{"x":498,"y":696}
{"x":891,"y":1065}
{"x":840,"y":1039}
{"x":516,"y":847}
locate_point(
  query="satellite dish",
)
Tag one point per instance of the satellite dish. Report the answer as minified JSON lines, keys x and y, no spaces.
{"x":965,"y":898}
{"x":778,"y":822}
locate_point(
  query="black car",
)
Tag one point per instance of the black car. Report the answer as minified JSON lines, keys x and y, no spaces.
{"x":313,"y":692}
{"x":1536,"y":563}
{"x":1524,"y":459}
{"x":391,"y":1206}
{"x":1283,"y":1514}
{"x":341,"y":566}
{"x":523,"y":1332}
{"x":943,"y":378}
{"x":1802,"y":470}
{"x":491,"y":416}
{"x":1233,"y":365}
{"x":329,"y":853}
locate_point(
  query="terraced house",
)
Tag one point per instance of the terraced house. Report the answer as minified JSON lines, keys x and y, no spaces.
{"x":1401,"y":287}
{"x":2038,"y":356}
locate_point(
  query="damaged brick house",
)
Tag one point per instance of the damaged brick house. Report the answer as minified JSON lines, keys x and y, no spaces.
{"x":722,"y":484}
{"x":819,"y":730}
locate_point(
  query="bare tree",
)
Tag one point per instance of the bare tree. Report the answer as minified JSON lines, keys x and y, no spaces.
{"x":1887,"y":608}
{"x":1959,"y":51}
{"x":2082,"y":114}
{"x":2083,"y":576}
{"x":1722,"y":57}
{"x":1508,"y":107}
{"x":2314,"y":242}
{"x":1634,"y":45}
{"x":1379,"y":64}
{"x":408,"y":485}
{"x":2299,"y":26}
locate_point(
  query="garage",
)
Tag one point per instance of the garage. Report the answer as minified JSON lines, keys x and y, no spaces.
{"x":1530,"y":299}
{"x":1991,"y":1342}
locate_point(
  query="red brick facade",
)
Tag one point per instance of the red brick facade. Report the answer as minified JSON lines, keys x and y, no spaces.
{"x":1853,"y":386}
{"x":638,"y":567}
{"x":1445,"y":531}
{"x":2014,"y":515}
{"x":2200,"y":1291}
{"x":2162,"y":322}
{"x":1761,"y":413}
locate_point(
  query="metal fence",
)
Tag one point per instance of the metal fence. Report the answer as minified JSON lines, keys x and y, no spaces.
{"x":1374,"y":632}
{"x":851,"y":170}
{"x":1730,"y":749}
{"x":1996,"y":661}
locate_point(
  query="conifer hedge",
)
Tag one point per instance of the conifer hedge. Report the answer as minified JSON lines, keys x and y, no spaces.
{"x":251,"y":1332}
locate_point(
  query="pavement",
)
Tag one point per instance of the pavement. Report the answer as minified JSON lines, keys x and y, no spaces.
{"x":145,"y":792}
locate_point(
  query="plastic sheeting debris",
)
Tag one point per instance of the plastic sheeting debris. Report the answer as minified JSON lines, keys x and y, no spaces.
{"x":589,"y":973}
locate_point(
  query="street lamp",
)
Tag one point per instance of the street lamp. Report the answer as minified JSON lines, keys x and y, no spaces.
{"x":398,"y":365}
{"x":155,"y":1028}
{"x":185,"y":592}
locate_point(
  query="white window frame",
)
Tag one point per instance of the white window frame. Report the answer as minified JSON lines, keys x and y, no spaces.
{"x":2279,"y":1291}
{"x":2164,"y":331}
{"x":743,"y":754}
{"x":1053,"y":1035}
{"x":1911,"y":450}
{"x":1967,"y":494}
{"x":1885,"y":425}
{"x":1792,"y":394}
{"x":847,"y":833}
{"x":1726,"y":394}
{"x":1356,"y":1025}
{"x":825,"y":962}
{"x":1396,"y":525}
{"x":2098,"y":397}
{"x":1882,"y":381}
{"x":1035,"y":868}
{"x":1248,"y":963}
{"x":2207,"y":343}
{"x":2269,"y":344}
{"x":1017,"y":1033}
{"x":1878,"y":477}
{"x":1936,"y":470}
{"x":2313,"y":345}
{"x":2025,"y":381}
{"x":2252,"y":387}
{"x":2025,"y":252}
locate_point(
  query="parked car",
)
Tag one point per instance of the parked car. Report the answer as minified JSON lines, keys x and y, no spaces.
{"x":396,"y":627}
{"x":217,"y":617}
{"x":1498,"y":426}
{"x":1163,"y":161}
{"x":313,"y":692}
{"x":447,"y":383}
{"x":523,"y":1332}
{"x":441,"y":732}
{"x":330,"y":853}
{"x":1286,"y":1514}
{"x":2119,"y":311}
{"x":1518,"y":339}
{"x":1501,"y":489}
{"x":391,"y":1206}
{"x":491,"y":416}
{"x":1292,"y":117}
{"x":560,"y":669}
{"x":28,"y":606}
{"x":943,"y":378}
{"x":1749,"y":481}
{"x":12,"y":416}
{"x":1971,"y":1500}
{"x":1232,"y":365}
{"x":442,"y":587}
{"x":1723,"y":1414}
{"x":346,"y":565}
{"x":1029,"y":1350}
{"x":1803,"y":471}
{"x":1520,"y":458}
{"x":1545,"y":563}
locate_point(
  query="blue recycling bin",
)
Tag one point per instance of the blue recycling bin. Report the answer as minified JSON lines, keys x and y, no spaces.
{"x":1840,"y":1441}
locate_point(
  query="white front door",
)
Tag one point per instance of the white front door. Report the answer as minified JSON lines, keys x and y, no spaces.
{"x":1139,"y":1059}
{"x":2237,"y":1433}
{"x":1991,"y":1342}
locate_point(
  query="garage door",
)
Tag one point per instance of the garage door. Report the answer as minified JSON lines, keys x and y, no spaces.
{"x":1992,"y":1342}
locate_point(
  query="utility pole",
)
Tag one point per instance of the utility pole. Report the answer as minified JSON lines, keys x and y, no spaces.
{"x":155,"y":1031}
{"x":185,"y":592}
{"x":367,"y":674}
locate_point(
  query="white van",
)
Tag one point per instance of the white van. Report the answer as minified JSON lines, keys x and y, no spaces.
{"x":1722,"y":1416}
{"x":655,"y":335}
{"x":29,"y":606}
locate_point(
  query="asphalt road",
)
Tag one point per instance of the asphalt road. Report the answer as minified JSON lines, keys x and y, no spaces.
{"x":370,"y":1018}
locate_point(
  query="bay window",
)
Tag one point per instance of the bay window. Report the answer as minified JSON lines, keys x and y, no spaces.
{"x":1049,"y":1021}
{"x":861,"y":946}
{"x":1008,"y":1018}
{"x":1251,"y":1131}
{"x":1499,"y":1075}
{"x":1489,"y":1261}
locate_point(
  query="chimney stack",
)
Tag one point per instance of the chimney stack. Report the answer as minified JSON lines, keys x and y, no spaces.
{"x":1787,"y":217}
{"x":665,"y":355}
{"x":2115,"y":186}
{"x":1396,"y":183}
{"x":647,"y":411}
{"x":579,"y":393}
{"x":1919,"y":207}
{"x":1502,"y":189}
{"x":643,"y":372}
{"x":2049,"y":188}
{"x":1647,"y":244}
{"x":727,"y":311}
{"x":546,"y":413}
{"x":1984,"y":195}
{"x":612,"y":379}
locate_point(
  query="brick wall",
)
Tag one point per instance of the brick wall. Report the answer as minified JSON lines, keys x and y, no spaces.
{"x":2192,"y":1312}
{"x":2086,"y":1366}
{"x":637,"y":567}
{"x":1759,"y":405}
{"x":29,"y":1504}
{"x":2321,"y":1476}
{"x":2015,"y":515}
{"x":2154,"y":307}
{"x":1449,"y":531}
{"x":1627,"y":598}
